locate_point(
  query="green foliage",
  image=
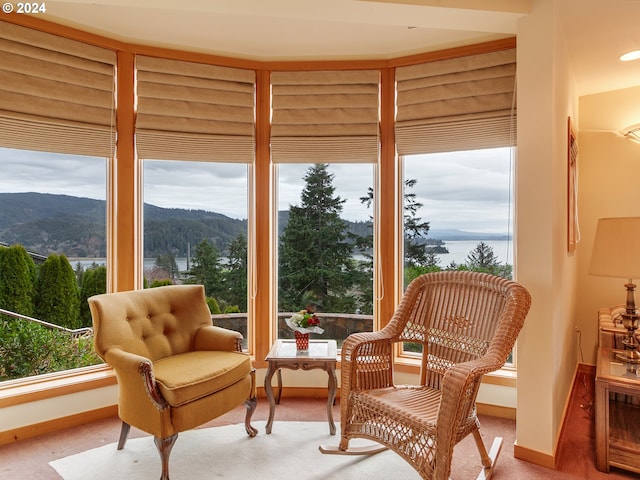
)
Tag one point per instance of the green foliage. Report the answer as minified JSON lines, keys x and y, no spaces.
{"x":482,"y":259}
{"x":235,"y":276}
{"x":206,"y":269}
{"x":412,"y":272}
{"x":160,"y":283}
{"x":28,"y":348}
{"x":31,"y":349}
{"x":17,"y":280}
{"x":232,"y":309}
{"x":167,"y":262}
{"x":57,"y":299}
{"x":416,"y":252}
{"x":314,"y":255}
{"x":94,"y":282}
{"x":214,"y":308}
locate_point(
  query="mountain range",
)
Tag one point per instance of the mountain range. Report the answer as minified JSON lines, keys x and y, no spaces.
{"x":46,"y":223}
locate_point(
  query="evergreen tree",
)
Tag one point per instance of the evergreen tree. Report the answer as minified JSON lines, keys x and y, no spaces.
{"x":94,"y":282}
{"x":206,"y":269}
{"x":57,"y":298}
{"x":235,"y":277}
{"x":17,"y":280}
{"x":419,"y":256}
{"x":314,"y":256}
{"x":416,"y":252}
{"x":167,"y":262}
{"x":482,"y":259}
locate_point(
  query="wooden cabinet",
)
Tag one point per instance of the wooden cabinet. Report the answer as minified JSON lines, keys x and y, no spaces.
{"x":617,"y":413}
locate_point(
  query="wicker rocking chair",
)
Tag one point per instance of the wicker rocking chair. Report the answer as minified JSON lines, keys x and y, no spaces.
{"x":466,"y":323}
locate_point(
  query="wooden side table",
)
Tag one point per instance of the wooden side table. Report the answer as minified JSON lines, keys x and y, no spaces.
{"x":283,"y":354}
{"x":617,"y":414}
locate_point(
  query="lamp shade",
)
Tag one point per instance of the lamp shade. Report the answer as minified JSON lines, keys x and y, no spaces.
{"x":616,"y":249}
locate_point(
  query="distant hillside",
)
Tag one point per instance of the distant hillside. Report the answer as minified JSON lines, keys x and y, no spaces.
{"x":453,"y":234}
{"x":46,"y":223}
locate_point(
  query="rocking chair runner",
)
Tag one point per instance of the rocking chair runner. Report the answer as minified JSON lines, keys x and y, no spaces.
{"x":466,"y":323}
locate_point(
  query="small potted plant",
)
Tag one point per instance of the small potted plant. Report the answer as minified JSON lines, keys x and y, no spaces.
{"x":303,"y":323}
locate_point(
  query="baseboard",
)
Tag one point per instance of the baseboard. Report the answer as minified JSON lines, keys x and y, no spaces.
{"x":57,"y":424}
{"x":544,"y":459}
{"x":496,"y":411}
{"x":535,"y":457}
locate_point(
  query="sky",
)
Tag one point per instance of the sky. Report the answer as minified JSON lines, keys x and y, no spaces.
{"x":462,"y":190}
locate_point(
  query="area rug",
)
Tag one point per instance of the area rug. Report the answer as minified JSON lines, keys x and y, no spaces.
{"x":290,"y":451}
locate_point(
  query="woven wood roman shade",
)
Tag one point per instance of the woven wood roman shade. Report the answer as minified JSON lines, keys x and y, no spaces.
{"x":56,"y":94}
{"x":463,"y":103}
{"x":325,"y":116}
{"x":192,"y":111}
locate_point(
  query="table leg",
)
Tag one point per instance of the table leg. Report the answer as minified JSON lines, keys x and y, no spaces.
{"x":602,"y":427}
{"x":279,"y":379}
{"x":268,"y":389}
{"x":333,"y":382}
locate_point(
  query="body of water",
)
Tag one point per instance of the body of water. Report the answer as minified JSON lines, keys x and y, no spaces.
{"x":458,"y":251}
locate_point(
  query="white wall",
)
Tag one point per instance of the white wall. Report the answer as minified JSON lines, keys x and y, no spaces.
{"x":609,"y":169}
{"x":546,"y":347}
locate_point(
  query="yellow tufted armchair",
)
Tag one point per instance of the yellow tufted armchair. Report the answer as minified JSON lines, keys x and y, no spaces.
{"x":175,"y":370}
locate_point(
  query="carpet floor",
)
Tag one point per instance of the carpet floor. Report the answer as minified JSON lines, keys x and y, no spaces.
{"x":30,"y":458}
{"x":290,"y":451}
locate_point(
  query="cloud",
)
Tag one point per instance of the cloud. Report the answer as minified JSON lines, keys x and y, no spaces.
{"x":463,"y":190}
{"x":215,"y":187}
{"x":26,"y":171}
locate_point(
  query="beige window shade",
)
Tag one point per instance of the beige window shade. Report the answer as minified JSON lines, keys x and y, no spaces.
{"x":325,"y":116}
{"x":463,"y":103}
{"x":56,"y":94}
{"x":192,"y":111}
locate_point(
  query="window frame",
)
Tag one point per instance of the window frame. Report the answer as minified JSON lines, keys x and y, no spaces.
{"x":124,"y":256}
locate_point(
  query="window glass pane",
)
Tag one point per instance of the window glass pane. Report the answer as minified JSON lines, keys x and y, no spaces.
{"x":325,"y":248}
{"x":52,"y":258}
{"x":458,"y":213}
{"x":195,"y":231}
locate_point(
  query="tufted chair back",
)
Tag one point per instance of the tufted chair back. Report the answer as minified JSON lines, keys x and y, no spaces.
{"x":153,"y":323}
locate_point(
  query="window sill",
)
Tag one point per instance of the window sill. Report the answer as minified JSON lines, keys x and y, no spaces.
{"x":505,"y":377}
{"x":41,"y":387}
{"x":16,"y":392}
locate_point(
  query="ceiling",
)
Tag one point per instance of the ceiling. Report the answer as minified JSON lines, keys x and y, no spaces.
{"x":596,"y":31}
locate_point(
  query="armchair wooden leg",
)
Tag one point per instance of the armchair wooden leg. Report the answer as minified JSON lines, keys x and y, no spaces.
{"x":124,"y":433}
{"x":164,"y":448}
{"x":250,"y":405}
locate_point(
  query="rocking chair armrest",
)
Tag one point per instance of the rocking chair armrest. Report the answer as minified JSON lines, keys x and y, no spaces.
{"x":135,"y":374}
{"x":459,"y":385}
{"x":367,"y":361}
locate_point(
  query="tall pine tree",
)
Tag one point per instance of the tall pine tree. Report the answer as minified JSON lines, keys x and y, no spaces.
{"x":235,"y":277}
{"x":17,"y":280}
{"x":315,"y":259}
{"x":94,"y":282}
{"x":206,"y":269}
{"x":57,"y":299}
